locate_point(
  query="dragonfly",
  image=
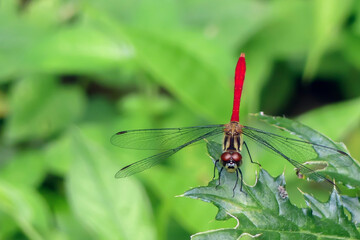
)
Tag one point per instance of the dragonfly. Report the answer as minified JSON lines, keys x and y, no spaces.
{"x":236,"y":138}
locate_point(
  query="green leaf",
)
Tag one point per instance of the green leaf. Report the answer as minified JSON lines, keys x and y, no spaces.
{"x":180,"y":60}
{"x":16,"y":170}
{"x":66,"y":223}
{"x":26,"y":208}
{"x":265,"y":210}
{"x":329,"y":16}
{"x":347,"y":113}
{"x":31,"y":45}
{"x":258,"y":70}
{"x":184,"y":73}
{"x":41,"y":107}
{"x":352,"y":205}
{"x":221,"y":19}
{"x":80,"y":49}
{"x":58,"y":156}
{"x":286,"y":32}
{"x":8,"y":226}
{"x":3,"y":105}
{"x":344,"y":169}
{"x":351,"y":47}
{"x":108,"y":208}
{"x":333,"y":211}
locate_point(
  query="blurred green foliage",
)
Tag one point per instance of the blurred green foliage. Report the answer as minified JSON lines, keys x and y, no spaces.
{"x":73,"y":73}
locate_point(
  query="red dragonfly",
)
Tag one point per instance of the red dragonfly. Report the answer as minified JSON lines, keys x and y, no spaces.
{"x":235,"y":139}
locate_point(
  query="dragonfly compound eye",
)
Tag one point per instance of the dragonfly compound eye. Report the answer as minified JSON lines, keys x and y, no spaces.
{"x":236,"y":157}
{"x":226,"y":156}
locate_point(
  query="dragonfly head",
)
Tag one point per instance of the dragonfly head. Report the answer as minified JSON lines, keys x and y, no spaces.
{"x":231,"y":160}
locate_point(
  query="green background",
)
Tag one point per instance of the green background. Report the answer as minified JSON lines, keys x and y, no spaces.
{"x":73,"y":73}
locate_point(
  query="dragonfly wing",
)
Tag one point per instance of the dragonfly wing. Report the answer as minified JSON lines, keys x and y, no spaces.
{"x":298,"y":152}
{"x":149,"y":162}
{"x":144,"y":164}
{"x":162,"y":139}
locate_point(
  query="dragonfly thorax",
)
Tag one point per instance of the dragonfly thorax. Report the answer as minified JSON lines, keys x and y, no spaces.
{"x":231,"y":160}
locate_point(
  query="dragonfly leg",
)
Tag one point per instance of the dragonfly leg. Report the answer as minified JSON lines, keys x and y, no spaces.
{"x":241,"y":181}
{"x":219,"y":177}
{"x":247,"y":149}
{"x":237,"y":180}
{"x":215,"y":169}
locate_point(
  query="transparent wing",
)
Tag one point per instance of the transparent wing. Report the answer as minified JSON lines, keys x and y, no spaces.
{"x":297,"y":152}
{"x":149,"y":162}
{"x":144,"y":164}
{"x":162,"y":139}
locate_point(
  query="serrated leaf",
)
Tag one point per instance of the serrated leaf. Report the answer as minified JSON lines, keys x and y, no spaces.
{"x":352,"y":205}
{"x":223,"y":234}
{"x":265,"y":210}
{"x":333,"y":211}
{"x":344,"y":169}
